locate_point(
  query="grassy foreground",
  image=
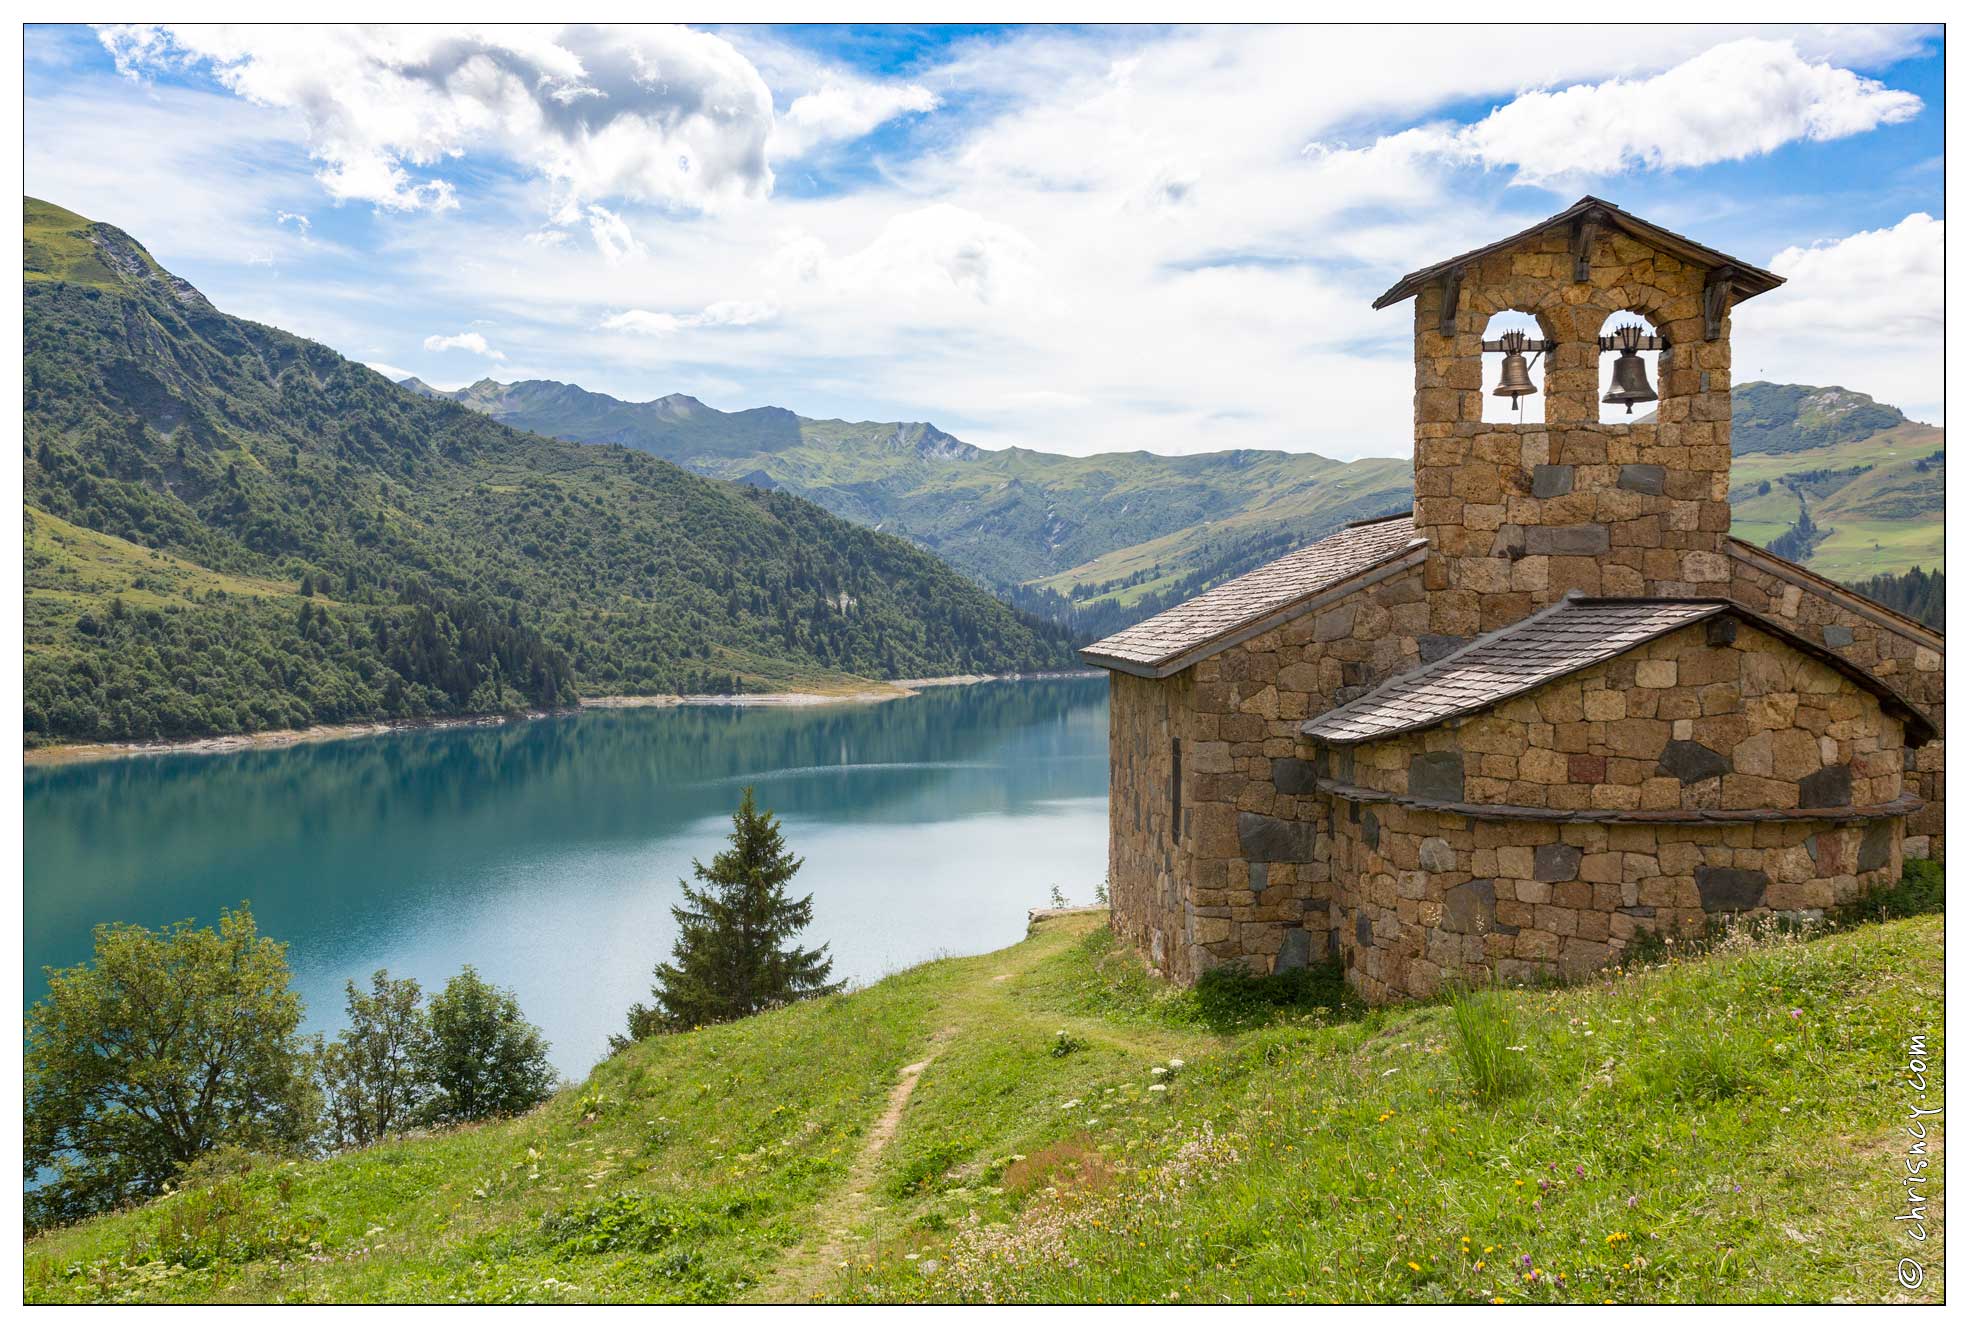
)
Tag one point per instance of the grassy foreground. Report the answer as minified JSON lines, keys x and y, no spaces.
{"x":1046,"y":1123}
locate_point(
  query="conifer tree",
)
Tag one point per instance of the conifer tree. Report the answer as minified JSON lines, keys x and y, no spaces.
{"x":731,"y":957}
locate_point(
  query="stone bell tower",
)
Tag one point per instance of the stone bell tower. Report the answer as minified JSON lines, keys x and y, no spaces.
{"x":1517,"y":515}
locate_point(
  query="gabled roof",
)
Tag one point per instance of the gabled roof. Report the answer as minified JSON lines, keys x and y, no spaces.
{"x":1569,"y":636}
{"x":1178,"y":637}
{"x":1746,"y":279}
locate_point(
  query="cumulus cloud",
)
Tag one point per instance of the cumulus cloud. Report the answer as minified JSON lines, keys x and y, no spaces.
{"x":721,"y":314}
{"x":1737,"y":100}
{"x":463,"y":341}
{"x":656,"y":114}
{"x":842,"y":109}
{"x":1863,"y":311}
{"x":297,"y":220}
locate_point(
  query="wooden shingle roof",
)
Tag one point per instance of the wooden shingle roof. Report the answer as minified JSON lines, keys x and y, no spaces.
{"x":1179,"y":636}
{"x":1746,"y":279}
{"x":1569,"y":636}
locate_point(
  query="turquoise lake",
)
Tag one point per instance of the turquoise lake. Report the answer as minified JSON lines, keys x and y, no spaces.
{"x":547,"y":852}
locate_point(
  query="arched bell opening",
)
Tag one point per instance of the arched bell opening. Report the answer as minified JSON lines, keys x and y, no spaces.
{"x":1515,"y":351}
{"x":1630,"y":351}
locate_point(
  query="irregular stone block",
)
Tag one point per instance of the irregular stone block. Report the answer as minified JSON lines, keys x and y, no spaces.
{"x":1295,"y":950}
{"x":1265,"y":839}
{"x":1371,"y":829}
{"x":1472,"y":908}
{"x":1436,"y":856}
{"x":1643,"y":479}
{"x":1876,"y":846}
{"x":1555,"y":862}
{"x":1689,"y":761}
{"x":1363,"y":929}
{"x":1436,"y":775}
{"x":1836,"y":636}
{"x":1720,"y":630}
{"x":1730,"y":890}
{"x":1550,"y":481}
{"x":1290,"y":775}
{"x":1587,"y":539}
{"x":1829,"y":787}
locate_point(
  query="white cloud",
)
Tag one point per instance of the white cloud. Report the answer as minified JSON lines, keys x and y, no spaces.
{"x":721,"y":314}
{"x":463,"y":341}
{"x":300,"y":222}
{"x":613,"y":238}
{"x":843,"y":109}
{"x":1863,"y":312}
{"x":1737,"y":100}
{"x":658,"y":114}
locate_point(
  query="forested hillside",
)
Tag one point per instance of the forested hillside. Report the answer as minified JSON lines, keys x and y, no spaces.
{"x":231,"y":528}
{"x":1099,"y":541}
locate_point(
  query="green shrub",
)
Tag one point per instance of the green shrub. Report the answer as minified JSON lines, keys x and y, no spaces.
{"x":1489,"y":1045}
{"x":225,"y":1223}
{"x":1919,"y":891}
{"x":625,"y":1222}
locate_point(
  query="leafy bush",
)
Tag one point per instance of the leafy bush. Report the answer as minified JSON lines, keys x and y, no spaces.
{"x":225,"y":1223}
{"x":1490,"y":1046}
{"x":1919,"y":891}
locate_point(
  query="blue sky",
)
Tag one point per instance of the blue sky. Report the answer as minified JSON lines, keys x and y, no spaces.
{"x":1073,"y":239}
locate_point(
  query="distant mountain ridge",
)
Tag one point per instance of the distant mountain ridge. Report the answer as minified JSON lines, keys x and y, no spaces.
{"x":228,"y":528}
{"x":1102,"y":539}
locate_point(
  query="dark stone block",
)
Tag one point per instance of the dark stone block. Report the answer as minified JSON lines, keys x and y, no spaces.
{"x":1690,"y":762}
{"x":1730,"y":890}
{"x":1572,"y":541}
{"x":1353,"y":673}
{"x":1437,"y":775}
{"x":1470,"y":907}
{"x":1827,"y":787}
{"x":1836,"y":636}
{"x":1343,"y":765}
{"x":1720,"y":630}
{"x":1643,"y":479}
{"x":1550,"y":481}
{"x":1295,"y":950}
{"x":1257,"y":877}
{"x":1877,"y":846}
{"x":1371,"y":830}
{"x":1274,"y":840}
{"x":1290,"y":775}
{"x":1434,"y":646}
{"x":1332,"y":942}
{"x":1363,"y":929}
{"x":1638,"y":910}
{"x":1555,"y":862}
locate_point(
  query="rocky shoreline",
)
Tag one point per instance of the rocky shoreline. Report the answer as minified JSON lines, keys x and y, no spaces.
{"x":65,"y":753}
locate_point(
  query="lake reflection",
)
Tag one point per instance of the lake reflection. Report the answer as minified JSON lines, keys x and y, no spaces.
{"x":547,"y":853}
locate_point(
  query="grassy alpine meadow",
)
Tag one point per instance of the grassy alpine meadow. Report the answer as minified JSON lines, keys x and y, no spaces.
{"x":1048,"y":1123}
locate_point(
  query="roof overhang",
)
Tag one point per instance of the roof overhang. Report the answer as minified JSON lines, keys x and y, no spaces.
{"x":1744,"y":279}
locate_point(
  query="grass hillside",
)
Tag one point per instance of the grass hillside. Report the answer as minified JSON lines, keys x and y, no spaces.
{"x":1047,"y":1124}
{"x":231,"y":528}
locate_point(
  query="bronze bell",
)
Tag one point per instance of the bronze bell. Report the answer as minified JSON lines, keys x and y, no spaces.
{"x":1515,"y":382}
{"x":1630,"y":382}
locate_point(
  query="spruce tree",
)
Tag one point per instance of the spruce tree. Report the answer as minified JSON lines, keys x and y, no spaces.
{"x":731,"y":958}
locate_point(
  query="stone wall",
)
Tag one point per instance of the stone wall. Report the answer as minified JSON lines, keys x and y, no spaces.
{"x":1249,"y":880}
{"x":1452,"y":896}
{"x":1905,"y":654}
{"x":1517,"y":515}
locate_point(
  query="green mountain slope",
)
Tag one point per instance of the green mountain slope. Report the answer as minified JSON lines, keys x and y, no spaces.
{"x":1007,"y":1128}
{"x":1845,"y":485}
{"x":231,"y":528}
{"x":1116,"y":534}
